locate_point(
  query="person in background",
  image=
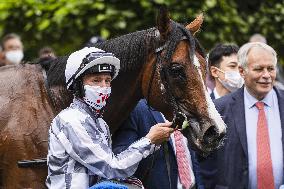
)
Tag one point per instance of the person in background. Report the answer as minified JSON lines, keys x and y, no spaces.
{"x":224,"y":69}
{"x":79,"y":145}
{"x":162,"y":170}
{"x":46,"y":52}
{"x":12,"y":49}
{"x":279,"y":81}
{"x":45,"y":56}
{"x":258,"y":38}
{"x":209,"y":80}
{"x":252,"y":154}
{"x":93,"y":40}
{"x":2,"y":57}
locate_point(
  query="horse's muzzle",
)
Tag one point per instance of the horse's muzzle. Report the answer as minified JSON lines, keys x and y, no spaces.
{"x":212,"y":138}
{"x":204,"y":137}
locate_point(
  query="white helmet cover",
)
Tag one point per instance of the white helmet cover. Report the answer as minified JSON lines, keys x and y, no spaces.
{"x":74,"y":67}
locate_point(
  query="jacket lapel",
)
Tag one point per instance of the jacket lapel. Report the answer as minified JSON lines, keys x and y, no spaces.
{"x":157,"y":116}
{"x":280,"y":97}
{"x":238,"y":111}
{"x":212,"y":95}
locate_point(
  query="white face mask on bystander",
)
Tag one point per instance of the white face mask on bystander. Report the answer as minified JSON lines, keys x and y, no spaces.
{"x":96,"y":96}
{"x":232,"y":81}
{"x":14,"y":56}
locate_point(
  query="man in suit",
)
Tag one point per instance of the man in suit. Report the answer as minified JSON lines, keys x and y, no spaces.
{"x":224,"y":70}
{"x":252,"y":155}
{"x":153,"y":171}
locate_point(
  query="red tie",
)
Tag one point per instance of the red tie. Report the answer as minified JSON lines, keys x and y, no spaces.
{"x":265,"y":179}
{"x":182,"y":161}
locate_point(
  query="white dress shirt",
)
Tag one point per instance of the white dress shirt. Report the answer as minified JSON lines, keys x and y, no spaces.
{"x":271,"y":109}
{"x":216,"y":93}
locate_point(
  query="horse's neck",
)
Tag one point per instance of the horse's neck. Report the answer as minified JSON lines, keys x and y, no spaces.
{"x":126,"y":92}
{"x":60,"y":98}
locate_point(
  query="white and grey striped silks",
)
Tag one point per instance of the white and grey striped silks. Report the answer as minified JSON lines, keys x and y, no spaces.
{"x":80,"y":146}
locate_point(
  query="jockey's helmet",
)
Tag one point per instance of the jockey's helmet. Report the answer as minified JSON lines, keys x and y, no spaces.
{"x":90,"y":57}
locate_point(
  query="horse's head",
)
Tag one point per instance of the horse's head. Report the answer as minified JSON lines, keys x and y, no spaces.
{"x":175,"y":80}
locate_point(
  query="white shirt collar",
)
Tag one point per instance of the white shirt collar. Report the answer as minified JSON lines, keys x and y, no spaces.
{"x":251,"y":100}
{"x":216,"y":93}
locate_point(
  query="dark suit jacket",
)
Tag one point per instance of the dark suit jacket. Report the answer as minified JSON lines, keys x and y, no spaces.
{"x":138,"y":125}
{"x":212,"y":95}
{"x":228,"y":167}
{"x":207,"y":166}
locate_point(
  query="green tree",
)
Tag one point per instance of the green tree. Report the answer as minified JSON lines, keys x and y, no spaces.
{"x":66,"y":25}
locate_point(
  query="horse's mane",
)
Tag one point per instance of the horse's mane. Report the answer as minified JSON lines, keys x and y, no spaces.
{"x":132,"y":50}
{"x":56,"y":72}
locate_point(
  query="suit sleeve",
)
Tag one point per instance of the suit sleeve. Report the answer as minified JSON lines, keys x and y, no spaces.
{"x":196,"y":170}
{"x":127,"y":133}
{"x":208,"y":170}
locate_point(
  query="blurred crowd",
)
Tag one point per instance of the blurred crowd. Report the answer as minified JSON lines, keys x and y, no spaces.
{"x":12,"y":51}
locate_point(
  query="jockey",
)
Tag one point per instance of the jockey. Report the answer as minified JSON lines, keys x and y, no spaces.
{"x":79,"y":150}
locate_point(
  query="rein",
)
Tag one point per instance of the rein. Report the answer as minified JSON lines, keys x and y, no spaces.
{"x":169,"y":46}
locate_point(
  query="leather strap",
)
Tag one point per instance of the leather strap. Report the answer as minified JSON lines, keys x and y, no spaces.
{"x":167,"y":157}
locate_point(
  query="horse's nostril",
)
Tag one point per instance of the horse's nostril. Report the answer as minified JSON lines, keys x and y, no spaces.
{"x":211,"y":135}
{"x":221,"y":136}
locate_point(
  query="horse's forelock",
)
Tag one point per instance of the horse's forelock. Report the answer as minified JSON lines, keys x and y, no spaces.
{"x":177,"y":33}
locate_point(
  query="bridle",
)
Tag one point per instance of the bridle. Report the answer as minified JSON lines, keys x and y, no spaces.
{"x":178,"y":34}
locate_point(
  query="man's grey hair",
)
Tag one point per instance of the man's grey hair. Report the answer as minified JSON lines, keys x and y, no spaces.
{"x":244,"y":50}
{"x":257,"y":38}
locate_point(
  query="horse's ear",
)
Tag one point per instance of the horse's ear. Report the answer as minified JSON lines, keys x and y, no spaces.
{"x":195,"y":25}
{"x":163,"y":22}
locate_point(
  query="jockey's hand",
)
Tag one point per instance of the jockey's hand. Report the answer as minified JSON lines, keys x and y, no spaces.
{"x":160,"y":133}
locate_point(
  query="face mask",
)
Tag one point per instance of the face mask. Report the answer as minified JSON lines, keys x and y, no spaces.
{"x":232,"y":81}
{"x":14,"y":56}
{"x":96,"y":96}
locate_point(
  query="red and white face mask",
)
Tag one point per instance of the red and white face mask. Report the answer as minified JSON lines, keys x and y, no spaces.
{"x":96,"y":96}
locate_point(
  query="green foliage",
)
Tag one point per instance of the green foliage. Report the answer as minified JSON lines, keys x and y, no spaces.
{"x":66,"y":25}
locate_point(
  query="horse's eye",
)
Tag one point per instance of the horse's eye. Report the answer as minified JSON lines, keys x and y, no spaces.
{"x":177,"y":71}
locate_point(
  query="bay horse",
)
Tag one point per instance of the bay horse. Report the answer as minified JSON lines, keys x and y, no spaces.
{"x":165,"y":65}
